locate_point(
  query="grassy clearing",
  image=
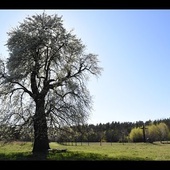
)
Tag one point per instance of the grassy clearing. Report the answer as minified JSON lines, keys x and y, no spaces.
{"x":91,"y":152}
{"x":124,"y":151}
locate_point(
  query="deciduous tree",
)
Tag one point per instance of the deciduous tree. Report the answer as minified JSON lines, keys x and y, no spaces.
{"x":43,"y":82}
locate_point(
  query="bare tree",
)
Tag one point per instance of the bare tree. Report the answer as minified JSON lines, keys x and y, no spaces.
{"x":43,"y":82}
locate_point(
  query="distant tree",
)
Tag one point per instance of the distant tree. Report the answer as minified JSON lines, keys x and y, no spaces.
{"x":163,"y":131}
{"x":136,"y":135}
{"x":158,"y":131}
{"x":109,"y":135}
{"x":153,"y":132}
{"x":43,"y":82}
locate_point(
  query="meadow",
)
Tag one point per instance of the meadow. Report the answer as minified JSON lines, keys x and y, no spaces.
{"x":89,"y":151}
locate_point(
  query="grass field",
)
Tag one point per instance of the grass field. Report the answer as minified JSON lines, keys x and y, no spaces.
{"x":93,"y":151}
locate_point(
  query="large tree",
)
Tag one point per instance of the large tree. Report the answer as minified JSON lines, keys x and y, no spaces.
{"x":43,"y":82}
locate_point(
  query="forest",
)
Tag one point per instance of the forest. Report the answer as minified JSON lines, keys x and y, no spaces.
{"x":139,"y":131}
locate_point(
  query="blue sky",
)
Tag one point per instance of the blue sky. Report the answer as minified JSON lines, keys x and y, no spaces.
{"x":133,"y":47}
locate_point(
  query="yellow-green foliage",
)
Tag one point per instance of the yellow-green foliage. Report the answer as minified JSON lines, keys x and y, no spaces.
{"x":136,"y":135}
{"x":163,"y":131}
{"x":158,"y":132}
{"x":153,"y":132}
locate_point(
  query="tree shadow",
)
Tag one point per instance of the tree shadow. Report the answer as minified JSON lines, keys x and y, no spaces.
{"x":39,"y":156}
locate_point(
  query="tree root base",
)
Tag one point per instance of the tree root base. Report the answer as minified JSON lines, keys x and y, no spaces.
{"x":57,"y":150}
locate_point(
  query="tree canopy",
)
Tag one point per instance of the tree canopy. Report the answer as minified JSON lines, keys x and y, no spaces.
{"x":43,"y":82}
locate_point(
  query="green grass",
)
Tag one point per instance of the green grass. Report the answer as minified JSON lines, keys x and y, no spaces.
{"x":91,"y":152}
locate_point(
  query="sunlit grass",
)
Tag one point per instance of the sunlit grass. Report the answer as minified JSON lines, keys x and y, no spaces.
{"x":93,"y":151}
{"x":12,"y":147}
{"x":128,"y":151}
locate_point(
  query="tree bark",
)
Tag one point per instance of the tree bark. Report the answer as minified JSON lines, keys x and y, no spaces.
{"x":41,"y":142}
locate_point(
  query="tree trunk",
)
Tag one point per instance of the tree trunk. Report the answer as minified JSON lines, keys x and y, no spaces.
{"x":41,"y":142}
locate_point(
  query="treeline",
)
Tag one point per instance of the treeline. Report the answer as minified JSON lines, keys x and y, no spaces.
{"x":118,"y":132}
{"x":139,"y":131}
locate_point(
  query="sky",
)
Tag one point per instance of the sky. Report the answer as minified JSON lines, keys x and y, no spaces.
{"x":133,"y":47}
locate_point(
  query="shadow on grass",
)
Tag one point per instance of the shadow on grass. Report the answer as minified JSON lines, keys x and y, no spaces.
{"x":63,"y":156}
{"x":54,"y":156}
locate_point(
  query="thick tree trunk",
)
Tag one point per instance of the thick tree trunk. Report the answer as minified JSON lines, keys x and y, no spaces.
{"x":41,"y":142}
